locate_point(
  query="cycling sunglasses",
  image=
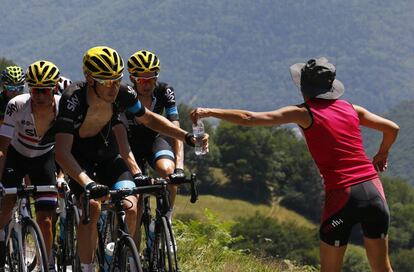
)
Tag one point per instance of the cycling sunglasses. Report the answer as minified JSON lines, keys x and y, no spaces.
{"x":143,"y":80}
{"x":14,"y":88}
{"x":109,"y":82}
{"x":42,"y":90}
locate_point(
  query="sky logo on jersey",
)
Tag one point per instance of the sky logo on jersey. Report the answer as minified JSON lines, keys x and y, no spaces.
{"x":170,"y":95}
{"x":73,"y":102}
{"x":11,"y":108}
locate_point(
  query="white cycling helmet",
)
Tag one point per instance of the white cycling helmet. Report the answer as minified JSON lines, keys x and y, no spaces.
{"x":63,"y":83}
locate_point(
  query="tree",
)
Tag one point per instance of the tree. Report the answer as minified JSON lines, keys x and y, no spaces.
{"x":4,"y":63}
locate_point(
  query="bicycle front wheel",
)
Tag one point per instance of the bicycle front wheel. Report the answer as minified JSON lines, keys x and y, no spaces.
{"x":34,"y":252}
{"x":126,"y":257}
{"x":164,"y":247}
{"x":13,"y":258}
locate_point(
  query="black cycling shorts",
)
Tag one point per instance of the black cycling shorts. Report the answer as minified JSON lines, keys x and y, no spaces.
{"x":363,"y":203}
{"x":41,"y":171}
{"x":106,"y":172}
{"x":152,"y":151}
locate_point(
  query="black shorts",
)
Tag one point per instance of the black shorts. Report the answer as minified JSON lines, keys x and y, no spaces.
{"x":106,"y":172}
{"x":41,"y":171}
{"x":363,"y":203}
{"x":152,"y":151}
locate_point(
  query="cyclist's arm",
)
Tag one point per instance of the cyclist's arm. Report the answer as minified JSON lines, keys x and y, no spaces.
{"x":4,"y":144}
{"x":162,"y":125}
{"x":7,"y":132}
{"x":290,"y":114}
{"x":178,"y":149}
{"x":388,"y":128}
{"x":66,"y":160}
{"x":125,"y":149}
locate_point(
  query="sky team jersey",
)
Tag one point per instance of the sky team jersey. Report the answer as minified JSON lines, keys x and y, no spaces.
{"x":19,"y":125}
{"x":163,"y":101}
{"x":73,"y":109}
{"x":335,"y":142}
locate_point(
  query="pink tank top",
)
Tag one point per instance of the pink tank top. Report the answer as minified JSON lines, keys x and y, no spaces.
{"x":335,"y":142}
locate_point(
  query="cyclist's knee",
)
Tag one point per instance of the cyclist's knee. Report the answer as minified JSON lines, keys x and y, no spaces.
{"x":95,"y":210}
{"x":44,"y":219}
{"x":165,"y":167}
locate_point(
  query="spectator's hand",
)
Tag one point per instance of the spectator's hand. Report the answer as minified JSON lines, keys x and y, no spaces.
{"x":199,"y":113}
{"x":142,"y":180}
{"x":380,"y":162}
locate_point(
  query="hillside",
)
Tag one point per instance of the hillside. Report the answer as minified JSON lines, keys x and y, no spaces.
{"x":227,"y":53}
{"x":401,"y":157}
{"x":227,"y":209}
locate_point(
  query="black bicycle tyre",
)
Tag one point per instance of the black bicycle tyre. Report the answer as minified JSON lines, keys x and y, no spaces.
{"x":14,"y":256}
{"x":164,"y":247}
{"x":125,"y":244}
{"x":71,"y":242}
{"x":29,"y":226}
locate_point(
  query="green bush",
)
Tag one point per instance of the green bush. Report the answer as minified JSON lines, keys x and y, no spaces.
{"x":403,"y":261}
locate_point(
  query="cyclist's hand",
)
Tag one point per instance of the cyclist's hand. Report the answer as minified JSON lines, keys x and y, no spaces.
{"x":190,"y":140}
{"x":178,"y":175}
{"x":97,"y":191}
{"x":1,"y":188}
{"x":380,"y":161}
{"x":61,"y":183}
{"x":142,"y":180}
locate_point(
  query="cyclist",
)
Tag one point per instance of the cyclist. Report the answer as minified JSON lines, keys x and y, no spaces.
{"x":64,"y":82}
{"x":331,"y":127}
{"x":27,"y":145}
{"x":90,"y":137}
{"x":11,"y":84}
{"x":147,"y":144}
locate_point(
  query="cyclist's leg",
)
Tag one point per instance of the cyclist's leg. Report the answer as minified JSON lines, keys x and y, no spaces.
{"x":375,"y":223}
{"x":42,"y":171}
{"x":115,"y":174}
{"x":163,"y":162}
{"x":87,"y":233}
{"x":14,"y":171}
{"x":337,"y":222}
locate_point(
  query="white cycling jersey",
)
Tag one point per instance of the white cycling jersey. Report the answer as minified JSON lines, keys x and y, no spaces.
{"x":19,"y":126}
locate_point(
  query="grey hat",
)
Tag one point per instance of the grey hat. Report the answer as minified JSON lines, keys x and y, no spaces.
{"x":316,"y":78}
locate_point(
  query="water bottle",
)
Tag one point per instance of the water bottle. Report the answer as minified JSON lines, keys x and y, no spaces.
{"x":109,"y":252}
{"x":198,"y":131}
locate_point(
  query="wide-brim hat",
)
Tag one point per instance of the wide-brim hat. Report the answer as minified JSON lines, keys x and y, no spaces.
{"x":334,"y":92}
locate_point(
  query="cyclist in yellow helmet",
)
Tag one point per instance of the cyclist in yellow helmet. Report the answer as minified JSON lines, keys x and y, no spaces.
{"x":147,"y":145}
{"x":27,"y":145}
{"x":11,"y":84}
{"x":91,"y":142}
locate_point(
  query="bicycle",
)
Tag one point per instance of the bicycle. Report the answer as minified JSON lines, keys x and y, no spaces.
{"x":25,"y":248}
{"x":160,"y":252}
{"x":66,"y":253}
{"x":125,"y":254}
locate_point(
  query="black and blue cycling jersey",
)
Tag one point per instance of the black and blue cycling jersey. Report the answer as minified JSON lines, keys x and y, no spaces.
{"x":146,"y":143}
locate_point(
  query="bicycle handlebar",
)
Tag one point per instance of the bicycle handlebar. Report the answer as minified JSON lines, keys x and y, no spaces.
{"x":30,"y":189}
{"x":159,"y":186}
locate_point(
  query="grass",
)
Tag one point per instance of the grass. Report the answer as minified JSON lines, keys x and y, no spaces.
{"x":227,"y":209}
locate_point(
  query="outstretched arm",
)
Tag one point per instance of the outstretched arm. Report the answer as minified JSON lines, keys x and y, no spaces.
{"x":164,"y":126}
{"x":389,"y":131}
{"x":290,"y":114}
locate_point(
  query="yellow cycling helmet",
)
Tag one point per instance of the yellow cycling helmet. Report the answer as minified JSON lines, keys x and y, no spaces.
{"x":143,"y":61}
{"x":12,"y":75}
{"x":42,"y":73}
{"x":103,"y":62}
